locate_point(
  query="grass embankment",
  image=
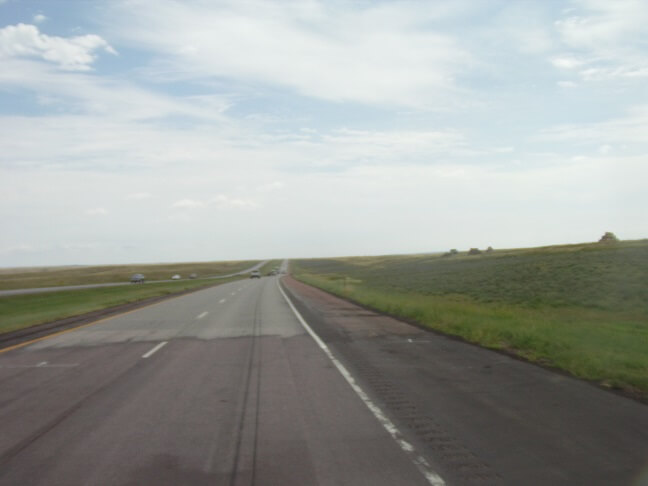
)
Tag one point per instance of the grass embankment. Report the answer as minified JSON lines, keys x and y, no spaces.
{"x":582,"y":308}
{"x":24,"y":278}
{"x":20,"y":311}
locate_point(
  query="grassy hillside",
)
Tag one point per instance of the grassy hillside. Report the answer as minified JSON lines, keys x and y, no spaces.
{"x":583,"y":308}
{"x":23,"y":278}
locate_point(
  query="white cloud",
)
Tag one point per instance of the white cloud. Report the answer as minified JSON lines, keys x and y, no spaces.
{"x":567,"y":84}
{"x":139,"y":196}
{"x":21,"y":248}
{"x":79,"y":246}
{"x":99,"y":143}
{"x":370,"y":146}
{"x":39,"y":18}
{"x":605,"y":149}
{"x":188,"y":204}
{"x":520,"y":26}
{"x":96,"y":212}
{"x":605,"y":38}
{"x":566,"y":62}
{"x":631,"y":129}
{"x":272,"y":186}
{"x":220,"y":201}
{"x":603,"y":24}
{"x":234,"y":135}
{"x":504,"y":150}
{"x":77,"y":92}
{"x":379,"y":54}
{"x":224,"y":202}
{"x":72,"y":53}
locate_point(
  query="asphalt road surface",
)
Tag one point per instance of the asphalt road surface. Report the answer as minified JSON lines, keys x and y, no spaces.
{"x":218,"y":387}
{"x":226,"y":386}
{"x":481,"y":417}
{"x":40,"y":290}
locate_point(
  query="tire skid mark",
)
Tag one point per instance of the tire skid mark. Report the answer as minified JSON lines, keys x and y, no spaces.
{"x":251,"y":386}
{"x":12,"y":452}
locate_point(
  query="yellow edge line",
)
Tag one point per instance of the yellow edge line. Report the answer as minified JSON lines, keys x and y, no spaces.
{"x":42,"y":338}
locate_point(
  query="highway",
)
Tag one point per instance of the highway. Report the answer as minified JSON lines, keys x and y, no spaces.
{"x":231,"y":386}
{"x":40,"y":290}
{"x":223,"y":387}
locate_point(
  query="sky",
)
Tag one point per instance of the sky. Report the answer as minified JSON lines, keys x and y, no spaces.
{"x":195,"y":130}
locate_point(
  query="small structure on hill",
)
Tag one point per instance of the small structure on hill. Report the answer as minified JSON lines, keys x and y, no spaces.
{"x":608,"y":237}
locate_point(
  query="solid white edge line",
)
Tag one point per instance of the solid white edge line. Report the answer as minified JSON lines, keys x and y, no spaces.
{"x":419,"y":461}
{"x":156,"y":348}
{"x":200,"y":316}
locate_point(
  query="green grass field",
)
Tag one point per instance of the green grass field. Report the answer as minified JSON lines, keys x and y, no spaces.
{"x":582,"y":308}
{"x":24,"y":278}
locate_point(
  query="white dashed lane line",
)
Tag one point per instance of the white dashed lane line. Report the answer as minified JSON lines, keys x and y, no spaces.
{"x":222,"y":301}
{"x":42,"y":364}
{"x":155,"y":349}
{"x":200,"y":316}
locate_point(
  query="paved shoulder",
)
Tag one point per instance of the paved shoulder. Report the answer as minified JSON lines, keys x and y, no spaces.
{"x":479,"y":416}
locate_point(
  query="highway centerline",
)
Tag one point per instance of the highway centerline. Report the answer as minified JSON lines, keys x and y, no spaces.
{"x":155,"y":349}
{"x":200,"y":316}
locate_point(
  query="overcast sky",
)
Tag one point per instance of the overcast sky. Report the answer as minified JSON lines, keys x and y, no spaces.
{"x":191,"y":130}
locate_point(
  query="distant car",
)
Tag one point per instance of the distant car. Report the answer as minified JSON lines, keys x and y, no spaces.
{"x":255,"y":274}
{"x":175,"y":277}
{"x":137,"y":278}
{"x":193,"y":275}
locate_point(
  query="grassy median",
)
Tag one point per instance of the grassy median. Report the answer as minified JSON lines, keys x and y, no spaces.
{"x":581,"y":308}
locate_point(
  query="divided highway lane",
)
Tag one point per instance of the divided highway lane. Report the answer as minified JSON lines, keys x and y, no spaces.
{"x":218,"y":387}
{"x":40,"y":290}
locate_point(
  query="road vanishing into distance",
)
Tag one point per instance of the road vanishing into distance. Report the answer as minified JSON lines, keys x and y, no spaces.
{"x":39,"y":290}
{"x":229,"y":386}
